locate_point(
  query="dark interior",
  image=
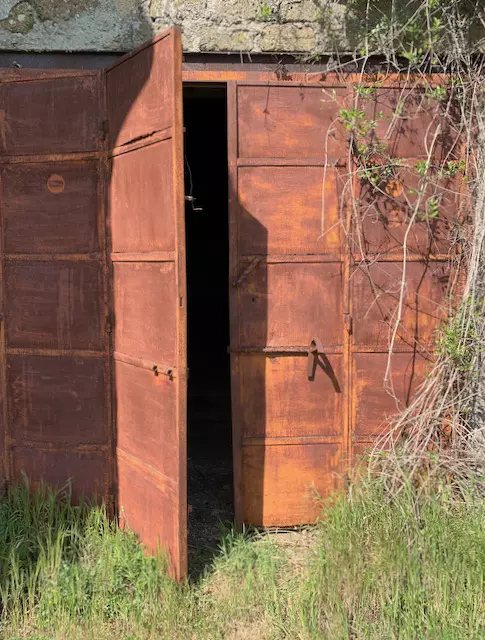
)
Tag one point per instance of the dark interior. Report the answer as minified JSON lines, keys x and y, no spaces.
{"x":210,"y":481}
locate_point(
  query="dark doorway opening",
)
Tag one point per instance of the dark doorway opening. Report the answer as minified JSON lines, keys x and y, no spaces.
{"x":210,"y":470}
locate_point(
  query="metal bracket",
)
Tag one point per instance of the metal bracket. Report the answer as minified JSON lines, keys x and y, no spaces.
{"x":244,"y":274}
{"x":158,"y":369}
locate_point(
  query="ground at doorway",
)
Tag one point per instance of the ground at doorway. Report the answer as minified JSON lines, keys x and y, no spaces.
{"x":373,"y":568}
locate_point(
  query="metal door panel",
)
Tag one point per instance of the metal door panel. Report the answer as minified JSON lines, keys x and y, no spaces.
{"x":376,"y":291}
{"x":372,"y":404}
{"x":301,"y":271}
{"x":132,"y":189}
{"x":149,"y":400}
{"x":58,"y":401}
{"x":289,"y":122}
{"x":150,"y":502}
{"x":278,"y":399}
{"x":52,"y":116}
{"x":145,"y":297}
{"x":417,"y":131}
{"x":51,"y":208}
{"x":385,"y":214}
{"x":287,"y":203}
{"x":145,"y":133}
{"x":283,"y":483}
{"x":288,"y":304}
{"x":141,"y":90}
{"x":87,"y":470}
{"x":376,"y":288}
{"x":55,"y":304}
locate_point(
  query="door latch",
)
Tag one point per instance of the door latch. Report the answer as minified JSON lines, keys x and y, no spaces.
{"x":314,"y":350}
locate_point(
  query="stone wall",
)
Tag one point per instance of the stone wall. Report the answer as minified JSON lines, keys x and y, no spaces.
{"x":119,"y":25}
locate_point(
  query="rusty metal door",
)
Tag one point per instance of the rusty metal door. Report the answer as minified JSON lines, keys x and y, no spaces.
{"x":146,"y":214}
{"x":399,"y":268}
{"x":55,"y":418}
{"x":310,"y":311}
{"x":288,"y":331}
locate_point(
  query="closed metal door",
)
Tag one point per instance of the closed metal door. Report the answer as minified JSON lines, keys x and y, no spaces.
{"x":318,"y":260}
{"x":55,"y":366}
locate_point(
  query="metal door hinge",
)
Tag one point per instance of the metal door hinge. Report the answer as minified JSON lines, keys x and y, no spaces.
{"x":108,"y":324}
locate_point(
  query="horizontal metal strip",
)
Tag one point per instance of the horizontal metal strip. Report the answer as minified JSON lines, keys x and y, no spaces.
{"x":322,"y":79}
{"x":292,"y":162}
{"x":292,"y":440}
{"x":395,"y":257}
{"x":50,"y":157}
{"x":147,"y":140}
{"x":366,"y":441}
{"x":397,"y":348}
{"x":160,"y":480}
{"x":54,"y":257}
{"x":149,"y":256}
{"x":63,"y":447}
{"x":42,"y":75}
{"x":296,"y":80}
{"x":285,"y":350}
{"x":259,"y":75}
{"x":156,"y":368}
{"x":74,"y":353}
{"x":369,"y":438}
{"x":293,"y":258}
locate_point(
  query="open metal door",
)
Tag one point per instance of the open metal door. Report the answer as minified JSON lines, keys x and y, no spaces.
{"x":146,"y":214}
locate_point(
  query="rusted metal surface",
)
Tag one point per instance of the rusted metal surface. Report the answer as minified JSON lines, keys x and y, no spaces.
{"x":74,"y":386}
{"x":285,"y":494}
{"x":385,"y":217}
{"x":51,"y":208}
{"x":146,"y":202}
{"x":54,"y":341}
{"x":376,"y":291}
{"x":289,"y":430}
{"x":130,"y":181}
{"x":418,"y":276}
{"x":297,"y":190}
{"x":50,"y":116}
{"x":54,"y":305}
{"x":373,"y":405}
{"x":303,"y":273}
{"x":287,"y":303}
{"x":284,"y":122}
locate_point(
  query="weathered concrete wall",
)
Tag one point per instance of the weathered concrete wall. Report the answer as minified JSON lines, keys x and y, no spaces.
{"x":120,"y":25}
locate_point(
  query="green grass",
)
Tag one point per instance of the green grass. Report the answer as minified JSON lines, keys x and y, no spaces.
{"x":375,"y":568}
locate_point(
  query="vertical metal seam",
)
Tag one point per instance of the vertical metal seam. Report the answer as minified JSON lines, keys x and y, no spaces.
{"x":3,"y":346}
{"x":349,"y":305}
{"x":103,"y":169}
{"x":232,"y":152}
